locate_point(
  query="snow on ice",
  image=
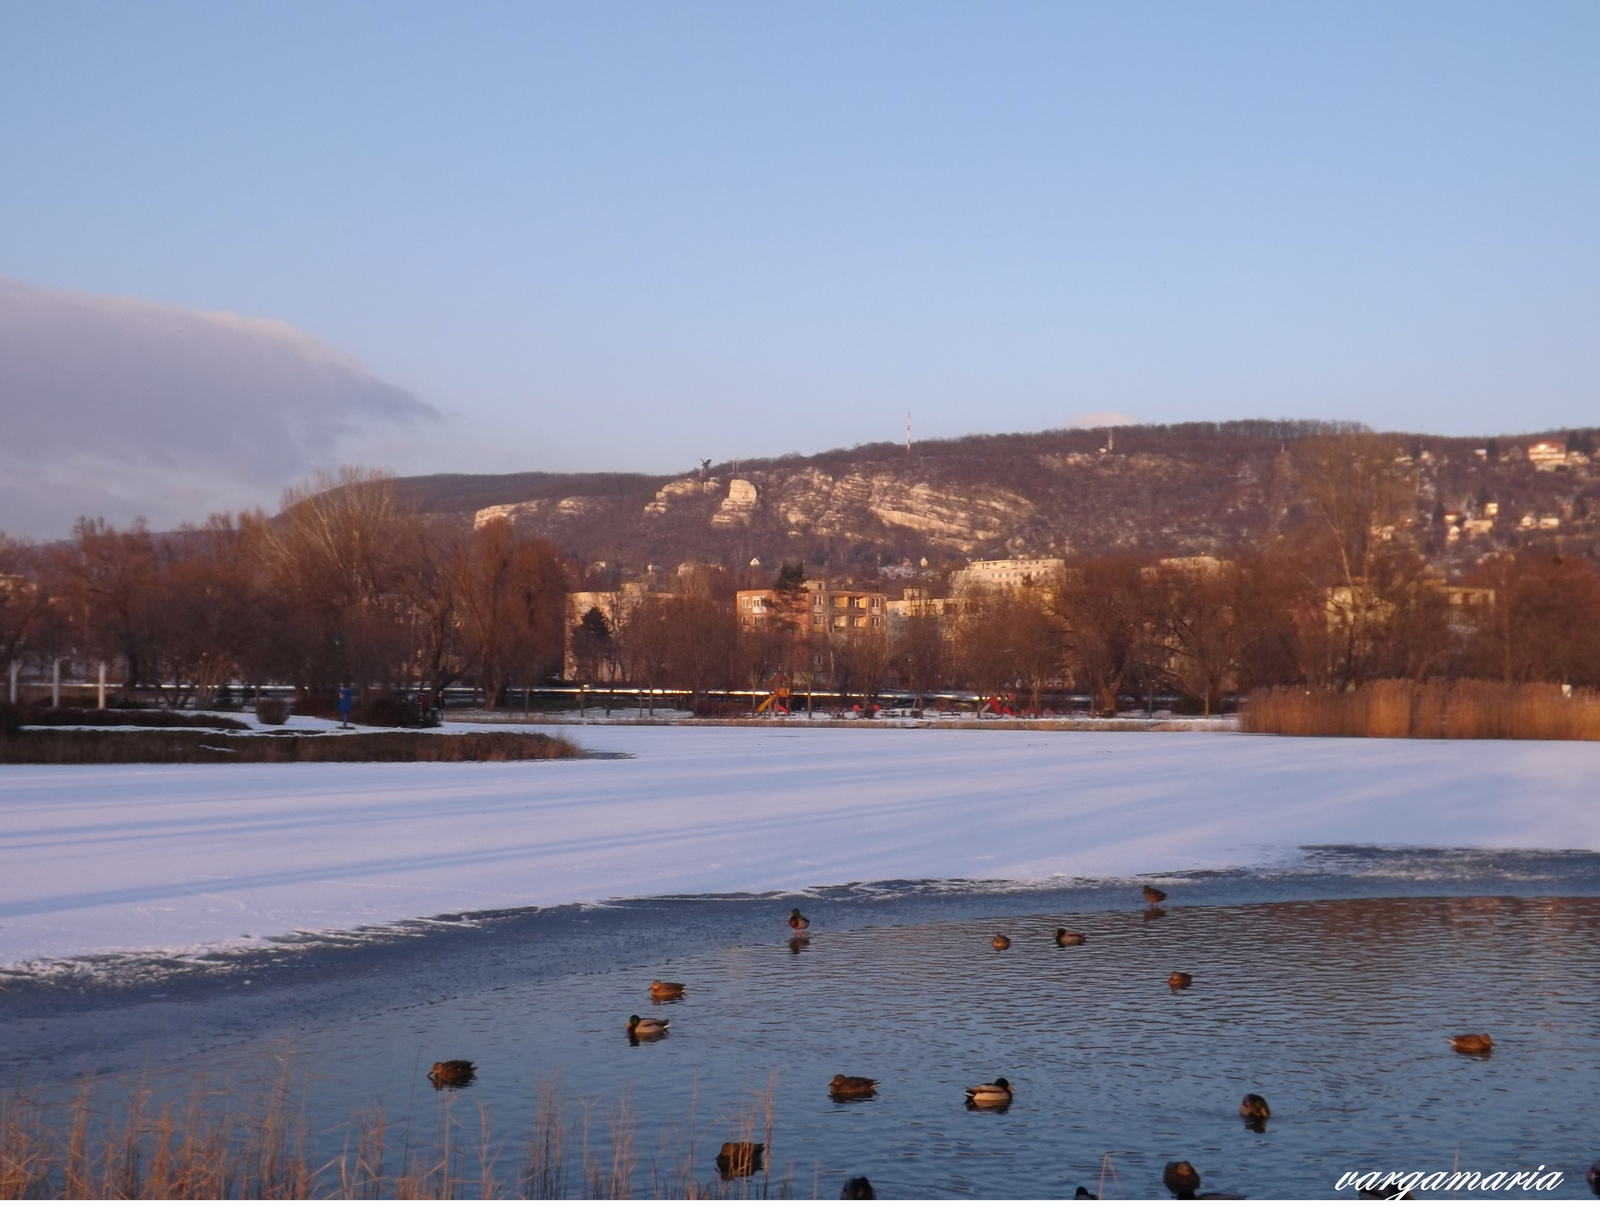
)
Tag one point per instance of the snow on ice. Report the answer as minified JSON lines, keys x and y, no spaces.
{"x":185,"y":858}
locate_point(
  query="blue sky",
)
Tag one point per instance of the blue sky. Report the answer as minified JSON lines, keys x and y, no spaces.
{"x":627,"y":236}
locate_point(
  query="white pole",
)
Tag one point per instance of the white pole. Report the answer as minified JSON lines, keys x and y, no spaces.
{"x":55,"y":684}
{"x":102,"y":684}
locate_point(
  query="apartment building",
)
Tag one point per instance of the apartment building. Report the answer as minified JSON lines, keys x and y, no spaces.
{"x":814,"y":609}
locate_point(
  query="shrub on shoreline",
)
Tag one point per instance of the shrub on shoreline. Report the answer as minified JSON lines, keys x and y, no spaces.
{"x":80,"y":716}
{"x":273,"y":711}
{"x":155,"y":747}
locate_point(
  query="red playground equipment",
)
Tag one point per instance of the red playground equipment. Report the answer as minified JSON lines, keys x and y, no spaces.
{"x":778,"y":701}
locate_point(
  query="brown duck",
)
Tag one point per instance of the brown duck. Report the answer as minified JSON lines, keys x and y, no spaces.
{"x":1178,"y":980}
{"x":1472,"y":1044}
{"x":660,"y":990}
{"x":851,"y":1088}
{"x":1001,"y":942}
{"x":737,"y":1160}
{"x":452,"y":1073}
{"x":1153,"y":896}
{"x":1065,"y":937}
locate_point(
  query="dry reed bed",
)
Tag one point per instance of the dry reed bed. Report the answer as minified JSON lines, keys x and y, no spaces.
{"x":211,"y":1148}
{"x":169,"y":747}
{"x":1426,"y":710}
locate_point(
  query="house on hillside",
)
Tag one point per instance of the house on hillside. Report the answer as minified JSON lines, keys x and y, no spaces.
{"x":1005,"y":575}
{"x":1547,"y":455}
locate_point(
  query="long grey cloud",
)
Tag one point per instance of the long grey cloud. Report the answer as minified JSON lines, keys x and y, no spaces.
{"x":121,"y":407}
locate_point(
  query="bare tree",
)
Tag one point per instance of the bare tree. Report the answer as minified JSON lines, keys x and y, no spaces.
{"x":23,"y":601}
{"x":208,"y":612}
{"x":1544,"y":623}
{"x":920,"y":653}
{"x":1108,"y":613}
{"x":108,"y":578}
{"x":1196,"y":614}
{"x":512,"y":594}
{"x":334,"y":555}
{"x":701,"y":639}
{"x":1358,"y":500}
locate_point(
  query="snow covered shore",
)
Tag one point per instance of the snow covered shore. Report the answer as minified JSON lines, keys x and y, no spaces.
{"x":97,"y":859}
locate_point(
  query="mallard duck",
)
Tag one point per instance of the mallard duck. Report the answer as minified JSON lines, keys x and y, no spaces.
{"x":740,"y":1159}
{"x":665,"y":991}
{"x":858,"y":1189}
{"x":1065,"y":937}
{"x":798,"y":922}
{"x":1083,"y":1195}
{"x":1181,"y":1180}
{"x":1179,"y":980}
{"x":991,"y":1096}
{"x":1594,"y":1178}
{"x":452,"y":1073}
{"x":849,"y":1088}
{"x":645,"y":1027}
{"x":1153,"y":896}
{"x":1254,"y":1107}
{"x":1001,"y":942}
{"x":1472,"y":1044}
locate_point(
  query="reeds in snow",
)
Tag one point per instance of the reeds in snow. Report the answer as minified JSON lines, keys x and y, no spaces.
{"x":1427,"y":710}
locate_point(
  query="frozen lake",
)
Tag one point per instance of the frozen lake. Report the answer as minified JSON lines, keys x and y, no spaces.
{"x":193,"y":859}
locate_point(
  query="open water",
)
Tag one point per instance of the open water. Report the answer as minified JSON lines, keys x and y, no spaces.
{"x":1329,"y":988}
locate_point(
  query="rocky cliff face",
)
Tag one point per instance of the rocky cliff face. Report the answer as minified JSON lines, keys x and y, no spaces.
{"x":1182,"y":489}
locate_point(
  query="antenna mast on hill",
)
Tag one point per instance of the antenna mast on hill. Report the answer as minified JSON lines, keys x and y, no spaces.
{"x":908,"y":432}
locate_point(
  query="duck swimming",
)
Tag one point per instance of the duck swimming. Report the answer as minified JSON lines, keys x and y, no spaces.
{"x":1254,"y":1107}
{"x":665,"y":991}
{"x":798,"y":922}
{"x":452,"y":1073}
{"x":1181,"y":1180}
{"x":991,"y":1096}
{"x":1065,"y":937}
{"x":1001,"y":942}
{"x":736,"y":1160}
{"x":645,"y":1027}
{"x":1153,"y":896}
{"x":1472,"y":1044}
{"x":1178,"y":981}
{"x":858,"y":1189}
{"x":850,"y":1088}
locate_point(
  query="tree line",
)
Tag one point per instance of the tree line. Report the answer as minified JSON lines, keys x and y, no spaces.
{"x":343,"y":587}
{"x":346,"y":586}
